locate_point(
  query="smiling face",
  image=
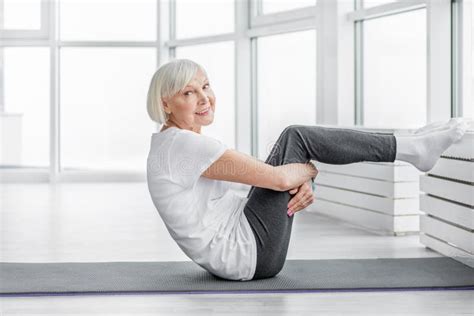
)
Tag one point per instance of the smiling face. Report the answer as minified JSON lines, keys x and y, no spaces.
{"x":184,"y":106}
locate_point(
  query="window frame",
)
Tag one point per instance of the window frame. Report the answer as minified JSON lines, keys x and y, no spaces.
{"x":248,"y":27}
{"x":336,"y":96}
{"x":379,"y":11}
{"x":54,"y":174}
{"x":439,"y":60}
{"x":258,"y":19}
{"x":358,"y":17}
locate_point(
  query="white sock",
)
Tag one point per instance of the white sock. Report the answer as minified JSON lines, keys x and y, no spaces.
{"x":439,"y":125}
{"x":422,"y":151}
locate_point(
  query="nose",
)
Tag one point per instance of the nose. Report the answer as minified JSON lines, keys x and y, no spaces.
{"x":204,"y":98}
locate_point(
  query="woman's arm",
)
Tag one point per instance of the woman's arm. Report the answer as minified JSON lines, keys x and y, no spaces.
{"x":296,"y":174}
{"x":235,"y":166}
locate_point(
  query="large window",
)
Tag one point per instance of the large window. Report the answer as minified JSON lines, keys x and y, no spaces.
{"x":394,"y":70}
{"x":104,"y":123}
{"x":25,"y":120}
{"x":218,"y":61}
{"x":200,"y":18}
{"x":286,"y":85}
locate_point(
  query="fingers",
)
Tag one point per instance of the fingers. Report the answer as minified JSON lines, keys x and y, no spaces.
{"x":304,"y":191}
{"x":303,"y":203}
{"x":300,"y":202}
{"x":300,"y":206}
{"x":293,"y":191}
{"x":303,"y":194}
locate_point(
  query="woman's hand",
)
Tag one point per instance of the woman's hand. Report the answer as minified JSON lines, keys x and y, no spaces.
{"x":303,"y":198}
{"x":293,"y":175}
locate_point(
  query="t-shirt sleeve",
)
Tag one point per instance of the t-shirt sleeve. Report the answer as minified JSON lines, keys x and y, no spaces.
{"x":191,"y":154}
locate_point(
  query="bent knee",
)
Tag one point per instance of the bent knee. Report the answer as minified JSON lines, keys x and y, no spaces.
{"x":294,"y":127}
{"x":290,"y":129}
{"x":293,"y":131}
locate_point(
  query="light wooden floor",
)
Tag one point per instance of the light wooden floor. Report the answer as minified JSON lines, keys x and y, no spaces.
{"x":117,"y":222}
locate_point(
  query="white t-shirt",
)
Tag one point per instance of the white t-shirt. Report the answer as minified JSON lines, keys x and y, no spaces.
{"x":204,"y":216}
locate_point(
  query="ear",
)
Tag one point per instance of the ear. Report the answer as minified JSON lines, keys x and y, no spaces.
{"x":165,"y":105}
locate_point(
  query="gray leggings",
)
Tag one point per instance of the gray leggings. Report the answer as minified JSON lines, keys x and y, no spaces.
{"x":266,"y":209}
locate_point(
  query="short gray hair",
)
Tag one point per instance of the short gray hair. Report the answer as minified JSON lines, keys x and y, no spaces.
{"x":168,"y":80}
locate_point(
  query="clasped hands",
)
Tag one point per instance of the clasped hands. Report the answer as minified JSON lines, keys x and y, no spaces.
{"x":298,"y":180}
{"x":304,"y":196}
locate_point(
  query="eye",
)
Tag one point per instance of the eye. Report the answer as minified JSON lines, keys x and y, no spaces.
{"x":207,"y":85}
{"x":188,"y":93}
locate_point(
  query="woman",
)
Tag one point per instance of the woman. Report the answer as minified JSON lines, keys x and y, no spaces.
{"x":245,"y":238}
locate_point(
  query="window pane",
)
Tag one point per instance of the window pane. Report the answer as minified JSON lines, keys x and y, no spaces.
{"x":395,"y":70}
{"x":373,"y":3}
{"x":272,"y":6}
{"x":108,"y":20}
{"x":104,"y":122}
{"x":218,"y":61}
{"x":286,"y":85}
{"x":200,"y":18}
{"x":25,"y":127}
{"x":22,"y":14}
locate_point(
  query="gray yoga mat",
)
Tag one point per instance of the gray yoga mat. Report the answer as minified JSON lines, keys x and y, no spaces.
{"x":441,"y":273}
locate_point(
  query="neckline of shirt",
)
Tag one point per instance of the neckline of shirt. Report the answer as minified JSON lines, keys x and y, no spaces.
{"x":169,"y":128}
{"x":175,"y":128}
